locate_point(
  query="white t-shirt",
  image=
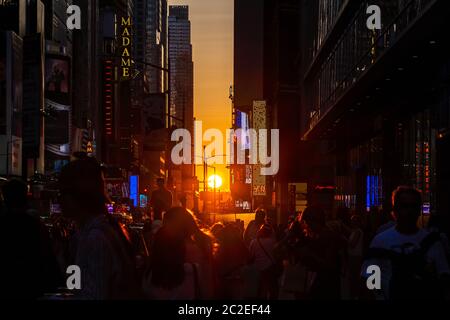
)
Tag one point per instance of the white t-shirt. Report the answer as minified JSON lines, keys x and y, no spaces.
{"x":392,"y":240}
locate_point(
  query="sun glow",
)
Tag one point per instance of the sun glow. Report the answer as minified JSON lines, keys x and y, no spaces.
{"x":215,"y":181}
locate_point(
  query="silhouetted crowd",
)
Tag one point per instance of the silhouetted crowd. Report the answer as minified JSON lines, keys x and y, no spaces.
{"x":176,"y":256}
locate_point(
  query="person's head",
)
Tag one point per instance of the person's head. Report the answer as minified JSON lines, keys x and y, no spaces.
{"x":82,"y":189}
{"x":231,"y":244}
{"x":407,"y":205}
{"x":15,"y":194}
{"x":260,"y":216}
{"x":217,"y":229}
{"x":313,"y":220}
{"x":230,"y":235}
{"x":160,"y":182}
{"x":182,"y":222}
{"x":356,"y":221}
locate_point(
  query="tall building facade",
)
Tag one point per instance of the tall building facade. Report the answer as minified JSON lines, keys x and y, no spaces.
{"x":22,"y":87}
{"x":11,"y":98}
{"x":181,"y":67}
{"x":34,"y":91}
{"x":181,"y":107}
{"x":86,"y":66}
{"x":378,"y":101}
{"x":248,"y":87}
{"x":266,"y":96}
{"x":150,"y":47}
{"x":155,"y":104}
{"x":58,"y":86}
{"x":157,"y":47}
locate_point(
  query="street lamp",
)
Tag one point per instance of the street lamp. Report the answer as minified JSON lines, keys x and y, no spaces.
{"x":205,"y":173}
{"x":215,"y":182}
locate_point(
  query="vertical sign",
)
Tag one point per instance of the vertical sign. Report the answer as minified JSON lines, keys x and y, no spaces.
{"x":143,"y":201}
{"x":134,"y":190}
{"x":259,"y":122}
{"x":125,"y":63}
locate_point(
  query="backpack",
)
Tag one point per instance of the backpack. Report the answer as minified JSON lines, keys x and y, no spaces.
{"x":411,"y":278}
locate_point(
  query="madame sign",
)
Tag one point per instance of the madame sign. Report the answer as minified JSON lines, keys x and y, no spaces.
{"x":125,"y":64}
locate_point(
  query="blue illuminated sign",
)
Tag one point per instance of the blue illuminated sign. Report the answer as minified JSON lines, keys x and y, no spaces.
{"x":426,"y":209}
{"x":143,"y":201}
{"x":134,"y":190}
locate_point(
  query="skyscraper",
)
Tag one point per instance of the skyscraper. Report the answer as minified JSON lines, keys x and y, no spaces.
{"x":85,"y":80}
{"x":181,"y":89}
{"x":181,"y":67}
{"x":140,"y":18}
{"x":155,"y":103}
{"x":156,"y":50}
{"x":150,"y":21}
{"x":33,"y":90}
{"x":266,"y":45}
{"x":11,"y":48}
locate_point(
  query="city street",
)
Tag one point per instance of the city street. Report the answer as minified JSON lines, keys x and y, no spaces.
{"x":235,"y":150}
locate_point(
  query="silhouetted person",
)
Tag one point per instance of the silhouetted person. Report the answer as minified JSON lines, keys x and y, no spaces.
{"x":103,"y":249}
{"x":161,"y":200}
{"x":183,"y":200}
{"x":28,"y":268}
{"x":413,"y":261}
{"x":232,"y":255}
{"x":181,"y":260}
{"x":254,"y":226}
{"x":320,"y":251}
{"x":262,"y":257}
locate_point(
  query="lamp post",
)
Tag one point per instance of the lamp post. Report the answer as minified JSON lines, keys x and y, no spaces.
{"x":205,"y":174}
{"x":214,"y":188}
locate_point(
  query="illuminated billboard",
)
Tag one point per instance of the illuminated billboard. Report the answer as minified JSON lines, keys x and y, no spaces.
{"x":242,"y":122}
{"x":134,"y":190}
{"x":57,"y":75}
{"x":259,"y":122}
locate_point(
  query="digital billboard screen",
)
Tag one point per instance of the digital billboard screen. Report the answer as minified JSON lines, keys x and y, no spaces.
{"x":242,"y":122}
{"x":57,"y":75}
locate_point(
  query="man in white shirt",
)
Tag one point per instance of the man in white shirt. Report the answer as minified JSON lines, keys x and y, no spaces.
{"x":398,"y":251}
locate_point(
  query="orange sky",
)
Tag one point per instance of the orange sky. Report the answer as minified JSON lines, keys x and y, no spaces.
{"x":212,"y":42}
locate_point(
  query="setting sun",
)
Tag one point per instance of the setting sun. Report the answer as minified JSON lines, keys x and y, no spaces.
{"x":215,"y":181}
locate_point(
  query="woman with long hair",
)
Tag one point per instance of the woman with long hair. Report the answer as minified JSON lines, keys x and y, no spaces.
{"x":181,"y":251}
{"x":170,"y":276}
